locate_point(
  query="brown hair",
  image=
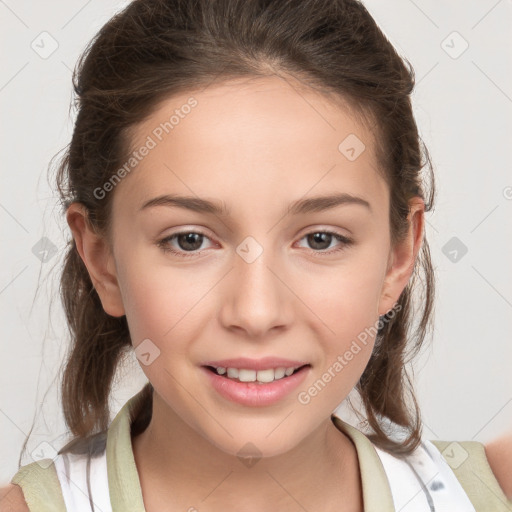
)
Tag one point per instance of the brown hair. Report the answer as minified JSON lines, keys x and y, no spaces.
{"x":156,"y":48}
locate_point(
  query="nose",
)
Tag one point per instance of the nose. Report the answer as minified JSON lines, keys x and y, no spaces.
{"x":256,"y":297}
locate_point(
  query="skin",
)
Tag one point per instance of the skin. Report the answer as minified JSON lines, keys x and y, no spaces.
{"x":499,"y":455}
{"x":287,"y":302}
{"x":256,"y":146}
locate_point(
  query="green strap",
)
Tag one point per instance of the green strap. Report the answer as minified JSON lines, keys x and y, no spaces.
{"x":468,"y":461}
{"x":123,"y":478}
{"x":377,"y":495}
{"x":41,"y":487}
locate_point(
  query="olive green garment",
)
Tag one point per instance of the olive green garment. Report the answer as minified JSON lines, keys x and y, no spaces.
{"x":42,"y":491}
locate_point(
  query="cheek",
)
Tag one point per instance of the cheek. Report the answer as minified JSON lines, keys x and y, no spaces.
{"x":161,"y":300}
{"x":157,"y":298}
{"x":344,"y":312}
{"x":346,"y":297}
{"x":168,"y":305}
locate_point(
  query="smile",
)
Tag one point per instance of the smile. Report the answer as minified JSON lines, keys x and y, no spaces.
{"x":255,"y":388}
{"x":248,"y":375}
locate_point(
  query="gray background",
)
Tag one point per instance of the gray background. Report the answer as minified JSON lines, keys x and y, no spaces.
{"x":463,"y":105}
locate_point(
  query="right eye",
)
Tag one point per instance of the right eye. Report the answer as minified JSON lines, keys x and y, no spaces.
{"x":187,"y":242}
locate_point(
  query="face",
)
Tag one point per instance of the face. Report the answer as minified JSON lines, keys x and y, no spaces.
{"x":257,"y":278}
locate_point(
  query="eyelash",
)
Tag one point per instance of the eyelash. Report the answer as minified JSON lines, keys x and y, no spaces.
{"x":164,"y":243}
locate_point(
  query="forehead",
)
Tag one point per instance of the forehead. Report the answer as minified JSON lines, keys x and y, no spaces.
{"x":268,"y":139}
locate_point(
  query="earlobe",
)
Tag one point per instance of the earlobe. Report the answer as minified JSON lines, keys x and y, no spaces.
{"x":97,"y":257}
{"x":403,"y":257}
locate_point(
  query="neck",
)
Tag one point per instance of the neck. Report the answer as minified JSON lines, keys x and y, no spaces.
{"x":176,"y":463}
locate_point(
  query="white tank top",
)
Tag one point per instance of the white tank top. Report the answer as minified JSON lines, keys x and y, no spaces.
{"x":423,"y":482}
{"x":72,"y":472}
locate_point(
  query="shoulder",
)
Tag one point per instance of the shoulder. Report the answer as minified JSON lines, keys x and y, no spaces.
{"x":477,"y":471}
{"x":12,"y":499}
{"x":39,"y":486}
{"x":499,"y":455}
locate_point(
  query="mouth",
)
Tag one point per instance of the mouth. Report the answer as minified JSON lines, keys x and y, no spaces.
{"x":265,"y":376}
{"x":255,"y":388}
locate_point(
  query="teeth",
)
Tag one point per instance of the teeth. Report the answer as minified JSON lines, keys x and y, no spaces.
{"x":246,"y":375}
{"x":233,"y":373}
{"x":264,"y":376}
{"x":279,"y":373}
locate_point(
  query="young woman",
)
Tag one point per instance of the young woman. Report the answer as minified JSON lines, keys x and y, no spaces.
{"x":246,"y":203}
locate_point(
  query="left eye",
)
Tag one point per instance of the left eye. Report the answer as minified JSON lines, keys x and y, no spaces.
{"x":320,"y":238}
{"x":191,"y":241}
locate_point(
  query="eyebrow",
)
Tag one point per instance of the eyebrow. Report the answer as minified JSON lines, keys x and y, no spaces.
{"x":299,"y":207}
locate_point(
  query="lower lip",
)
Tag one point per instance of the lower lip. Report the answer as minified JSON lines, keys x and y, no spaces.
{"x":253,"y":393}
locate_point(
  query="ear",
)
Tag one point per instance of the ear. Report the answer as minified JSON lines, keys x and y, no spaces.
{"x":402,"y":257}
{"x":97,"y":257}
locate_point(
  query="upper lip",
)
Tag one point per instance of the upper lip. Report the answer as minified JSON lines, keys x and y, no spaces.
{"x":256,"y":364}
